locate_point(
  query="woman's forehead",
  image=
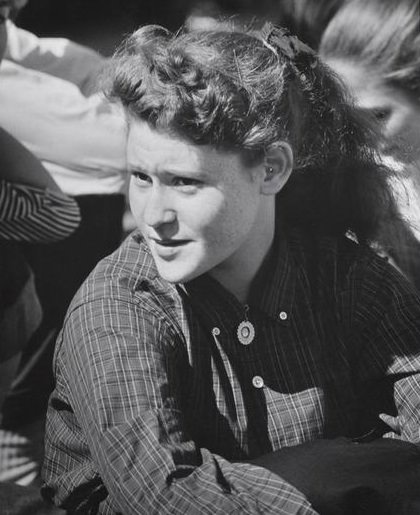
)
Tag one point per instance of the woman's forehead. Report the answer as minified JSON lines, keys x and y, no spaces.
{"x":153,"y":148}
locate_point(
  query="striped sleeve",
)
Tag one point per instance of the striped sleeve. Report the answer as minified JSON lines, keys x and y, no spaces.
{"x":29,"y":214}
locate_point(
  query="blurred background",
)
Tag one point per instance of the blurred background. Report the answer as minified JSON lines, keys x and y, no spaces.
{"x":99,"y":23}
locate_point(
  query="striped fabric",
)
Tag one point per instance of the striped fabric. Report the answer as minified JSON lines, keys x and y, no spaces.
{"x":29,"y":214}
{"x":158,"y":406}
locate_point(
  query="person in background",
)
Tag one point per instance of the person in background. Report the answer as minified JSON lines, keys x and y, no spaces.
{"x":49,"y":103}
{"x":227,"y":355}
{"x":375,"y":48}
{"x":33,"y":209}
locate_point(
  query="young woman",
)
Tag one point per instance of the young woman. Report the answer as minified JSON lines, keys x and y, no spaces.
{"x":375,"y":47}
{"x":240,"y":322}
{"x":32,"y":209}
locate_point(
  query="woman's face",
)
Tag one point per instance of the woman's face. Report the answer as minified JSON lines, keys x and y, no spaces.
{"x":397,"y":111}
{"x":199,"y":209}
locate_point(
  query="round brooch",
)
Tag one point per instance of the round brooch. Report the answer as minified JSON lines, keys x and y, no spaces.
{"x":245,"y":332}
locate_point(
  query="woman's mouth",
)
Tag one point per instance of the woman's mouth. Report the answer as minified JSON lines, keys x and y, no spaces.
{"x":168,"y":249}
{"x":170,"y":242}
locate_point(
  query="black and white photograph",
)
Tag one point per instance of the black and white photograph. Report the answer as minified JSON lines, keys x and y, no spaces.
{"x":210,"y":257}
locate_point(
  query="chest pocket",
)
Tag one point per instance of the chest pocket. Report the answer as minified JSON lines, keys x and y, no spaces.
{"x":294,"y":417}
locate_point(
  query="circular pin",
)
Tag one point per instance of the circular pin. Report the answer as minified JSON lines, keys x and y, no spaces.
{"x":245,"y":332}
{"x":283,"y":315}
{"x":258,"y":381}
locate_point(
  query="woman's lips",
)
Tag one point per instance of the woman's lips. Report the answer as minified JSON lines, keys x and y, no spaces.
{"x":170,"y":243}
{"x":168,"y":249}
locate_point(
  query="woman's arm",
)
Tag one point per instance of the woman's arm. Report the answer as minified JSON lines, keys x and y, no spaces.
{"x":124,"y":413}
{"x":19,"y":166}
{"x":32,"y":206}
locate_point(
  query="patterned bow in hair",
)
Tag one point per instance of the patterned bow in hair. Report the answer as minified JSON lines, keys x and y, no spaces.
{"x":280,"y":41}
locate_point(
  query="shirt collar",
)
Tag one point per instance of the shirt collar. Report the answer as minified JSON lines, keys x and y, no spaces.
{"x":272,"y":291}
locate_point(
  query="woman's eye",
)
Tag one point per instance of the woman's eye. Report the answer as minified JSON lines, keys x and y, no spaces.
{"x":186,"y":182}
{"x":141,"y":178}
{"x":381,"y":115}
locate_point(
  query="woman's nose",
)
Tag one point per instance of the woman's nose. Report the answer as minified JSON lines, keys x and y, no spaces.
{"x":158,"y":210}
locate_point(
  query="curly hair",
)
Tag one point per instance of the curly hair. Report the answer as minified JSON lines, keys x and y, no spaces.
{"x":245,"y":91}
{"x":382,"y":36}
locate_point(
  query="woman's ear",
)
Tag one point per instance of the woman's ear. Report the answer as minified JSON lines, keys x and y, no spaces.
{"x":278,"y":165}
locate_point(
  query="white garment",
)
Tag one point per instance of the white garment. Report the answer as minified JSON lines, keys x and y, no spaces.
{"x":79,"y":139}
{"x":55,"y":56}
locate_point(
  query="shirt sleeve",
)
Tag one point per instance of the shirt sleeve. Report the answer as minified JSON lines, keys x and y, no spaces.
{"x":29,"y":214}
{"x":389,"y":312}
{"x":55,"y":56}
{"x":112,"y":360}
{"x":80,"y":140}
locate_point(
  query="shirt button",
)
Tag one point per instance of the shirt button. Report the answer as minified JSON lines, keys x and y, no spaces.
{"x":258,"y":381}
{"x":283,"y":315}
{"x":215,"y":331}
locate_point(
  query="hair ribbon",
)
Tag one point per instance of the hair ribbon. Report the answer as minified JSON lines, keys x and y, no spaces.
{"x":281,"y":40}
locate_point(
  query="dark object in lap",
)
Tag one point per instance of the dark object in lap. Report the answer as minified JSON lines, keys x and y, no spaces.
{"x":340,"y":477}
{"x":24,"y":500}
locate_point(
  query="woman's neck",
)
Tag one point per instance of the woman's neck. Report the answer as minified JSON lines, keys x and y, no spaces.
{"x":237,"y":273}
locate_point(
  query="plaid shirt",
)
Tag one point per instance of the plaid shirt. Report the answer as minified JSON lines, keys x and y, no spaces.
{"x":158,"y":406}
